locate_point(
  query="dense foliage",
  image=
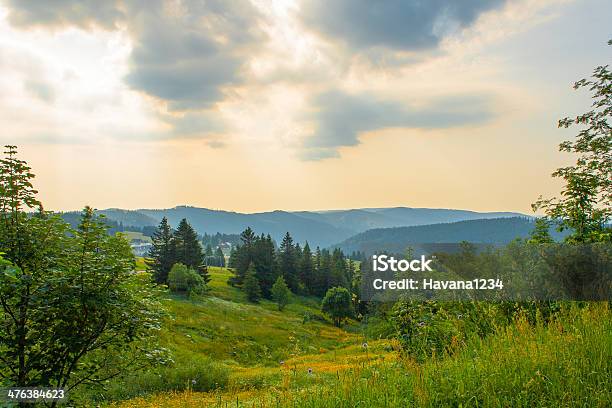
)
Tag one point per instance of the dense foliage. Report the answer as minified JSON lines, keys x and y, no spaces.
{"x":305,"y":273}
{"x":585,"y":206}
{"x":72,"y":309}
{"x":337,"y":304}
{"x":172,"y":247}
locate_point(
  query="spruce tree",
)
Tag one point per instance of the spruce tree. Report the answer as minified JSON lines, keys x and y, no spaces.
{"x":288,"y":263}
{"x":307,"y":269}
{"x":265,"y":263}
{"x":162,"y":254}
{"x":188,"y":248}
{"x":281,"y":293}
{"x":220,"y":257}
{"x":251,"y":285}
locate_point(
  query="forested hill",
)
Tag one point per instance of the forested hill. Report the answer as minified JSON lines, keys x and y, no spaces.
{"x":430,"y":238}
{"x":319,"y":228}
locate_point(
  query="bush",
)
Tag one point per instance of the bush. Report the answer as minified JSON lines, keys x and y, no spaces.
{"x":184,"y":279}
{"x":201,"y":374}
{"x":434,"y":328}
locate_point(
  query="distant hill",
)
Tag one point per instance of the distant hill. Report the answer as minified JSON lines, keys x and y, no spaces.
{"x":319,"y":228}
{"x":441,"y":237}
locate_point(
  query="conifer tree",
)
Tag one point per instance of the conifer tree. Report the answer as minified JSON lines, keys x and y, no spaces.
{"x":288,"y":263}
{"x":307,"y":269}
{"x":188,"y":248}
{"x":220,"y":257}
{"x":265,"y":263}
{"x":281,"y":293}
{"x":243,"y":256}
{"x":251,"y":285}
{"x":162,"y":254}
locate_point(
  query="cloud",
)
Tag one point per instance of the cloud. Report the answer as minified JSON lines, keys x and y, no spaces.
{"x":184,"y":54}
{"x":194,"y":124}
{"x":186,"y":57}
{"x":340,"y":118}
{"x":40,"y":90}
{"x":407,"y":25}
{"x":57,"y":13}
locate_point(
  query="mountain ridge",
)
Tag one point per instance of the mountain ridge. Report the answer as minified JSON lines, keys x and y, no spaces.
{"x":320,"y":228}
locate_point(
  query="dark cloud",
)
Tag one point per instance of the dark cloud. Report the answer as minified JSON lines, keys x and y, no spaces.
{"x":80,"y":13}
{"x":340,"y":118}
{"x":184,"y":52}
{"x":397,"y":24}
{"x":188,"y":56}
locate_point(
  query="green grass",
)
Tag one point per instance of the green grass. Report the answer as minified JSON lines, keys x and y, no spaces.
{"x":233,"y":349}
{"x":132,"y":235}
{"x":567,"y":363}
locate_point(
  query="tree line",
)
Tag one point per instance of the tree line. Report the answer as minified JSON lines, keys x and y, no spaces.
{"x":304,"y":271}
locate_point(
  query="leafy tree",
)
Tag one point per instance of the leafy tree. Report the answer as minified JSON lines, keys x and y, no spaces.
{"x":585,"y":206}
{"x":188,"y":248}
{"x":281,"y":293}
{"x":251,"y":285}
{"x":72,"y":310}
{"x":337,"y":304}
{"x":162,"y":254}
{"x":184,"y":279}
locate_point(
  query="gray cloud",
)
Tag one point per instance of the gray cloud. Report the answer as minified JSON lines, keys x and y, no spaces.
{"x":184,"y":53}
{"x":340,"y":118}
{"x":80,"y":13}
{"x":397,"y":24}
{"x":186,"y":58}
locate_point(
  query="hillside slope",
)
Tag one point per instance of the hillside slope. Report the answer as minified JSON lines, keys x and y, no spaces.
{"x":428,"y":238}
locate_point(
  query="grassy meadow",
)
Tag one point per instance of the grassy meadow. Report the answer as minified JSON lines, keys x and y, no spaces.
{"x":231,"y":353}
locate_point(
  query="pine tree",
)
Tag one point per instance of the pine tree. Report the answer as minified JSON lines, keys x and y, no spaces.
{"x":188,"y":248}
{"x":307,"y":269}
{"x":208,"y":256}
{"x":288,"y":263}
{"x":281,"y":293}
{"x":243,"y":256}
{"x":203,"y":272}
{"x":220,"y":257}
{"x":162,"y":254}
{"x":541,"y":232}
{"x":338,"y":276}
{"x":265,"y":263}
{"x":251,"y":285}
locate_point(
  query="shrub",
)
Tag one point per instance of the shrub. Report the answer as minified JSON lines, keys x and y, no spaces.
{"x":184,"y":279}
{"x":199,"y":374}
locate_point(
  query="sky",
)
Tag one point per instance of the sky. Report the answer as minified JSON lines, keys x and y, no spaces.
{"x":295,"y":105}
